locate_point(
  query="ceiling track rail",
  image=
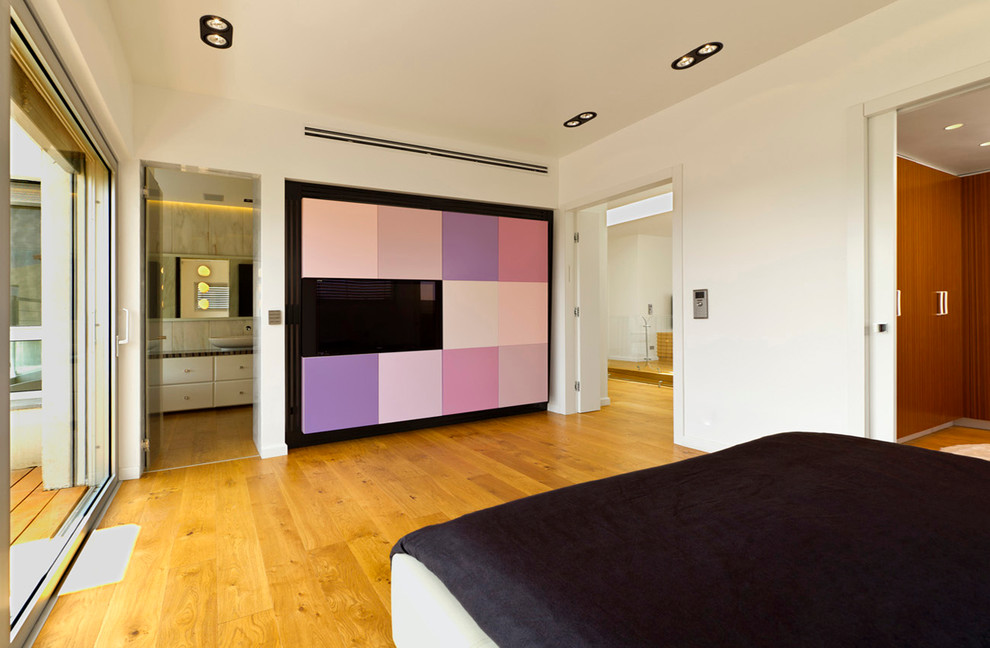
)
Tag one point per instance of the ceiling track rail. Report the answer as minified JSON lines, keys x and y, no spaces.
{"x":321,"y":133}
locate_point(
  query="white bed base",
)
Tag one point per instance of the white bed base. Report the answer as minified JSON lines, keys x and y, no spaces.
{"x":424,"y":612}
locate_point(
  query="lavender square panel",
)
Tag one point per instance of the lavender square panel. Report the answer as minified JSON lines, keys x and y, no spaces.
{"x":339,"y":392}
{"x":470,"y":247}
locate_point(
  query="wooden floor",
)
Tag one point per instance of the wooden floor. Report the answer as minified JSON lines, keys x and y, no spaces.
{"x":36,"y":513}
{"x":653,"y":372}
{"x":294,"y":551}
{"x":205,"y":436}
{"x":950,"y":437}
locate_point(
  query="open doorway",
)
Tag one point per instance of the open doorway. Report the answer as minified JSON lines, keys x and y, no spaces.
{"x":200,"y":282}
{"x":627,"y":332}
{"x":639,"y":266}
{"x":943,"y":271}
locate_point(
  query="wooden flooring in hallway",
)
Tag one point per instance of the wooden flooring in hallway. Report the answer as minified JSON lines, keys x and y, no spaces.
{"x":294,"y":551}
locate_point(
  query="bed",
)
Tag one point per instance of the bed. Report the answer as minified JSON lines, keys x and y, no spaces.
{"x":793,"y":540}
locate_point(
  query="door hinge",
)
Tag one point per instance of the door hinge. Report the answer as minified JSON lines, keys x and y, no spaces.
{"x":577,"y":385}
{"x":145,"y":193}
{"x":577,"y":311}
{"x":577,"y":237}
{"x":145,"y":445}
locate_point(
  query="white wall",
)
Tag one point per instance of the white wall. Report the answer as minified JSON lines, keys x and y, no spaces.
{"x":203,"y":131}
{"x":639,"y":274}
{"x":773,"y":220}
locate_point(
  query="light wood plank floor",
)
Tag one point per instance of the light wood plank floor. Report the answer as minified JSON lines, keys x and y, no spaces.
{"x":36,"y":513}
{"x":293,"y":551}
{"x":205,"y":436}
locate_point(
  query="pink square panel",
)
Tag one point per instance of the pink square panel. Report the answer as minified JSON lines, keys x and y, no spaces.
{"x":339,"y":239}
{"x":522,"y":374}
{"x":522,"y":249}
{"x":522,"y":313}
{"x":470,"y":314}
{"x":410,"y":385}
{"x":470,"y":380}
{"x":410,"y":243}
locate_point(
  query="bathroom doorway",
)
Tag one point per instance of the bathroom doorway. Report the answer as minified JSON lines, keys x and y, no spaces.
{"x":200,"y":279}
{"x":640,"y":303}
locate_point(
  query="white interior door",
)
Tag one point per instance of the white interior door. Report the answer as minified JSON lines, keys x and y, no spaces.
{"x":882,"y":206}
{"x":589,"y":226}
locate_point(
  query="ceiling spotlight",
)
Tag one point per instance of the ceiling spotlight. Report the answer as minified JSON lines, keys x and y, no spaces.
{"x":985,"y":144}
{"x":580,"y":118}
{"x":217,"y":23}
{"x":953,"y":126}
{"x":216,"y":31}
{"x":697,"y":55}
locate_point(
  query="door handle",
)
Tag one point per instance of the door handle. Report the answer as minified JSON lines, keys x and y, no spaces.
{"x":943,"y":302}
{"x":127,"y":331}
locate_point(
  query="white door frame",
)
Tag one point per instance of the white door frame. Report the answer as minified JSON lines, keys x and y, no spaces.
{"x":579,"y":284}
{"x":880,"y":142}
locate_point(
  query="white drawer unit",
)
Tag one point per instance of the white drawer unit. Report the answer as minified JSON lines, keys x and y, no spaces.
{"x":187,"y":370}
{"x":206,"y":381}
{"x":234,"y":367}
{"x":189,"y":396}
{"x":233,"y":392}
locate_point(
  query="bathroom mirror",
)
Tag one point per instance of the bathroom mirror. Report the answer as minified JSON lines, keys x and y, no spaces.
{"x":201,"y":287}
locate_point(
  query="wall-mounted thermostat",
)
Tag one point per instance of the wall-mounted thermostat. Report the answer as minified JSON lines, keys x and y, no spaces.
{"x":700,"y":304}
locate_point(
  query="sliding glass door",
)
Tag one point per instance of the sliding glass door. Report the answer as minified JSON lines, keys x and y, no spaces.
{"x":60,"y":329}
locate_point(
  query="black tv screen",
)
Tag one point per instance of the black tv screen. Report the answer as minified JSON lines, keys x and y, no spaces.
{"x":350,"y":316}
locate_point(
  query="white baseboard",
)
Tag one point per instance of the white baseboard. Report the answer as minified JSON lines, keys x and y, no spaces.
{"x":606,"y":401}
{"x":275,"y":450}
{"x":130,"y":472}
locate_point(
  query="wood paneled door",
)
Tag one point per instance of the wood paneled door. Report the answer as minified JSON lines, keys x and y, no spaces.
{"x":930,"y":342}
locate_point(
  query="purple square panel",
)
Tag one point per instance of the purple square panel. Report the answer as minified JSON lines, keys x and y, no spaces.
{"x":470,"y":380}
{"x":339,"y":392}
{"x":522,"y":249}
{"x":470,"y":247}
{"x":522,"y":374}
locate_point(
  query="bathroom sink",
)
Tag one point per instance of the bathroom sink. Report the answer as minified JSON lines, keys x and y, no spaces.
{"x":235,"y":342}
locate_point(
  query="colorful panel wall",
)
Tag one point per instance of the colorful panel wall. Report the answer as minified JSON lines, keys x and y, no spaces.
{"x":494,"y":273}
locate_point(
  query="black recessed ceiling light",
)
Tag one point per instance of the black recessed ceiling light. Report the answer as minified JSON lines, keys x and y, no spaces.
{"x":580,"y":118}
{"x":216,"y":31}
{"x":697,"y":55}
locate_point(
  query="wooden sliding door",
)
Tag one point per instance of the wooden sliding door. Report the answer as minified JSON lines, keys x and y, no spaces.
{"x":930,"y":342}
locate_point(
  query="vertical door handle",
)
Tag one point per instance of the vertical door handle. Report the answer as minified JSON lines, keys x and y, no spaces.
{"x":898,"y":303}
{"x":943,"y":302}
{"x":127,"y":331}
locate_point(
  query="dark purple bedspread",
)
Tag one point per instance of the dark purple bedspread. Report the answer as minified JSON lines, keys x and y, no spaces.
{"x":795,"y":540}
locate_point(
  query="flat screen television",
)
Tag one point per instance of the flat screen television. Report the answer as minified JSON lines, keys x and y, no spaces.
{"x":351,"y":316}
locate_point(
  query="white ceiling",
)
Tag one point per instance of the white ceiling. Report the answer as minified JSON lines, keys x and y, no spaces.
{"x":921,"y":133}
{"x":500,"y":74}
{"x":656,"y":225}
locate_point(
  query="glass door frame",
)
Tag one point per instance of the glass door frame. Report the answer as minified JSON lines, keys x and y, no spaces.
{"x":103,"y":362}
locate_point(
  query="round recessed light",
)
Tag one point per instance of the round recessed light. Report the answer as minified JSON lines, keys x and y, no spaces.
{"x":217,"y":23}
{"x":985,"y":144}
{"x":707,"y":49}
{"x":216,"y":39}
{"x":684,"y":61}
{"x":953,"y":126}
{"x":571,"y":123}
{"x":587,"y":115}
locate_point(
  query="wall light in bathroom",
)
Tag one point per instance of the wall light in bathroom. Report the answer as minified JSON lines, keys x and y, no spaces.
{"x":203,"y":270}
